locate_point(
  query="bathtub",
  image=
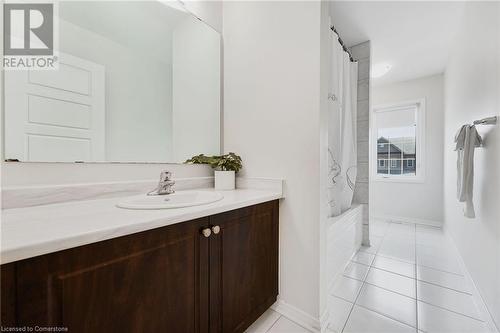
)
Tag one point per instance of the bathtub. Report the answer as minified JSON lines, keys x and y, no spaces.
{"x":344,"y":238}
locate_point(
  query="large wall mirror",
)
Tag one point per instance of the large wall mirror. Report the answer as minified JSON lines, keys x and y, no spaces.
{"x":138,"y":81}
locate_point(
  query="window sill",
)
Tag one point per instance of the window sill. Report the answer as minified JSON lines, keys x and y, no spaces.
{"x":395,"y":179}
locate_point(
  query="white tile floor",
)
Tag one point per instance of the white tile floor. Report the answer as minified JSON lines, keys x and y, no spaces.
{"x":409,"y":280}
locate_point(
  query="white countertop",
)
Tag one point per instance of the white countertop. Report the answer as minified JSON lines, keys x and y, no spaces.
{"x":32,"y":231}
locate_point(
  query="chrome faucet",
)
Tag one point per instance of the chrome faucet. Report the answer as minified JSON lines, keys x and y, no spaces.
{"x":165,"y":185}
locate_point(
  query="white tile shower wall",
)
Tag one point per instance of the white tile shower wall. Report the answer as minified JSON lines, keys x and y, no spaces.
{"x":361,"y":52}
{"x":344,"y":239}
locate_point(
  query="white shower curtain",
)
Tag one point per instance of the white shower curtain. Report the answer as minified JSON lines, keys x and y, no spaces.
{"x":342,"y":142}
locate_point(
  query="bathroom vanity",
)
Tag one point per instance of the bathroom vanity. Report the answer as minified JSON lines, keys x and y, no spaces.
{"x":213,"y":273}
{"x":145,"y":95}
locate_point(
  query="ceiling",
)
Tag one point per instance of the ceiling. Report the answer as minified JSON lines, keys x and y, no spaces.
{"x":415,"y":37}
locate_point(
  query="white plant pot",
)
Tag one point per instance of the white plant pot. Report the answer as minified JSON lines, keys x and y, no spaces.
{"x":224,"y":180}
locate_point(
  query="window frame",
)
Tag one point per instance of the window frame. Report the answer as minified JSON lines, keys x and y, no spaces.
{"x":420,"y":165}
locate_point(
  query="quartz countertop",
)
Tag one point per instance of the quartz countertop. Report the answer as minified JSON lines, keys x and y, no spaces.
{"x":32,"y":231}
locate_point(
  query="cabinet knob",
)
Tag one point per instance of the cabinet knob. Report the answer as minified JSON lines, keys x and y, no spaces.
{"x":216,"y":229}
{"x":206,"y":232}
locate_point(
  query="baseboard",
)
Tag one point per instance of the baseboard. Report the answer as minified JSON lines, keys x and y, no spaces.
{"x":476,"y":295}
{"x":390,"y":218}
{"x":303,"y":319}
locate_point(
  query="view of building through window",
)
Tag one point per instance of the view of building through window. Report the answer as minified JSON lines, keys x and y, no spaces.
{"x":396,"y":151}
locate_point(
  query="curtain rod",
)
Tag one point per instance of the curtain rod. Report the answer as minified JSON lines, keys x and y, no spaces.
{"x":342,"y":44}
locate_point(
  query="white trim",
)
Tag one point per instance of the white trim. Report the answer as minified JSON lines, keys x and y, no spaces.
{"x":300,"y":317}
{"x":397,"y":179}
{"x":411,"y":220}
{"x":420,"y":138}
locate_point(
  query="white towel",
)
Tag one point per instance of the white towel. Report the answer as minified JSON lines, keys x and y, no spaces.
{"x":467,"y":139}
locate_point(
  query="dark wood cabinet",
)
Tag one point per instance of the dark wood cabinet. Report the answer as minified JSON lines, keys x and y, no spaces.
{"x":170,"y":279}
{"x":244,"y":267}
{"x":145,"y":282}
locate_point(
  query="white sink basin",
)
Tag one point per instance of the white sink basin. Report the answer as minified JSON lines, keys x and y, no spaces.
{"x":176,"y":200}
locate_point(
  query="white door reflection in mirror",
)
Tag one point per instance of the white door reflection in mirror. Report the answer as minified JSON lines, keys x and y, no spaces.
{"x":56,"y":115}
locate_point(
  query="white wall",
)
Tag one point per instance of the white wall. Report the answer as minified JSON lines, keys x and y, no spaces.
{"x":196,"y":90}
{"x":415,"y":201}
{"x":472,"y":91}
{"x":272,"y":119}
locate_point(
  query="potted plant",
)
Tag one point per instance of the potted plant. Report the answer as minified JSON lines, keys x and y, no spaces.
{"x":226,"y":166}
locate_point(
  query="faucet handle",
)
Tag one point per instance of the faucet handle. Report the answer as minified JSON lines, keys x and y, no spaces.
{"x":165,"y":185}
{"x":165,"y":176}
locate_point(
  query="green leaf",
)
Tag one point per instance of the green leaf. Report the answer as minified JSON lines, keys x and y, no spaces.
{"x":228,"y":162}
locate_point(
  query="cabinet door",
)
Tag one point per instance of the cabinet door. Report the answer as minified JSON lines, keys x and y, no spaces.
{"x":8,"y":295}
{"x":243,"y":266}
{"x":153,"y":281}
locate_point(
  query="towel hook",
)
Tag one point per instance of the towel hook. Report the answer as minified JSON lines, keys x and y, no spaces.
{"x":487,"y":121}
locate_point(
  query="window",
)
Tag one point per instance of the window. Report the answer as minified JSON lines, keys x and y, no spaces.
{"x":398,"y":139}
